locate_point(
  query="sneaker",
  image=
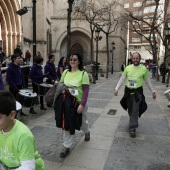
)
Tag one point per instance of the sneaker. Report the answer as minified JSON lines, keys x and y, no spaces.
{"x":87,"y":136}
{"x":43,"y":108}
{"x":133,"y":133}
{"x":65,"y":151}
{"x":23,"y":114}
{"x":32,"y":111}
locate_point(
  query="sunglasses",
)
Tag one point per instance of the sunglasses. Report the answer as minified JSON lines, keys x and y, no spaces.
{"x":74,"y":59}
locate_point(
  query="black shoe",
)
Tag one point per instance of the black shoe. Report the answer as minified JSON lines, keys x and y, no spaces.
{"x":49,"y":105}
{"x":168,"y":106}
{"x":23,"y":114}
{"x":133,"y":133}
{"x":32,"y":111}
{"x":65,"y":151}
{"x":43,"y":108}
{"x":87,"y":137}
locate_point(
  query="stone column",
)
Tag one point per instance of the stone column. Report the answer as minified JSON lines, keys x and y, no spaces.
{"x":5,"y":42}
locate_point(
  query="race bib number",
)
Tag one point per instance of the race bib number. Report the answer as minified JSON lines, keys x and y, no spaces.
{"x":73,"y":91}
{"x":132,"y":83}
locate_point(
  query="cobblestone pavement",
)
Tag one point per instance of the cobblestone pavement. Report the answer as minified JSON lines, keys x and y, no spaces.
{"x":110,"y":147}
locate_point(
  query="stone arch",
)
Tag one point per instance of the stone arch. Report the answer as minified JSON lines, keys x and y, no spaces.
{"x":80,"y":37}
{"x":10,"y":25}
{"x":64,"y":34}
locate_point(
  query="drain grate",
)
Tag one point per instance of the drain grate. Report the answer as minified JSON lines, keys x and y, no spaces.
{"x":159,"y":167}
{"x":112,"y":112}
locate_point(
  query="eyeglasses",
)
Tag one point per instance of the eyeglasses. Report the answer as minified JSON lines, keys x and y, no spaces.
{"x":73,"y":59}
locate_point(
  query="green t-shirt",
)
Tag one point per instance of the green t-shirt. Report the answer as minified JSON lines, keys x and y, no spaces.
{"x":19,"y":145}
{"x":74,"y":81}
{"x":135,"y":75}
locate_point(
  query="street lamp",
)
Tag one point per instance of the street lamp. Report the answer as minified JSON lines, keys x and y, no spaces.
{"x":70,"y":3}
{"x":23,"y":11}
{"x":98,"y":38}
{"x":112,"y":51}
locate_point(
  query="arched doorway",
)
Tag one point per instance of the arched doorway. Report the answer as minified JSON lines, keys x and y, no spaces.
{"x":77,"y":48}
{"x":10,"y":25}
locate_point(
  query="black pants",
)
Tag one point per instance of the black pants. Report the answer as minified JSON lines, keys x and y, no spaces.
{"x":133,"y":111}
{"x":36,"y":90}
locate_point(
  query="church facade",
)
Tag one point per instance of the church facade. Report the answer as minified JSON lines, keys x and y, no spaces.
{"x":51,"y":32}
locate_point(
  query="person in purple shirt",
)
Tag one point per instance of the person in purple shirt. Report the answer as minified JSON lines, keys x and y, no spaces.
{"x":14,"y":77}
{"x":50,"y":70}
{"x":61,"y":67}
{"x":1,"y":80}
{"x":36,"y":75}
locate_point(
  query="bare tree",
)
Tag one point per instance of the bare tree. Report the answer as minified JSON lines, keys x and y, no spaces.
{"x":103,"y":16}
{"x":153,"y":20}
{"x":109,"y":21}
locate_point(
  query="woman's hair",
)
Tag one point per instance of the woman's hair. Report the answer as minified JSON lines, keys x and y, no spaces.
{"x":61,"y":61}
{"x":38,"y":59}
{"x":80,"y":66}
{"x":7,"y":103}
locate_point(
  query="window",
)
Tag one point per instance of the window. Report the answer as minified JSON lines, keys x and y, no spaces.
{"x":150,"y":2}
{"x":147,"y":35}
{"x":137,"y":13}
{"x":137,"y":47}
{"x":150,"y":9}
{"x":136,"y":30}
{"x":136,"y":22}
{"x":137,"y":4}
{"x":136,"y":39}
{"x":126,"y":5}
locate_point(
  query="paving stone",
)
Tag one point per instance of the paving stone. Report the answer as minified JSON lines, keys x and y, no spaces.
{"x":134,"y":154}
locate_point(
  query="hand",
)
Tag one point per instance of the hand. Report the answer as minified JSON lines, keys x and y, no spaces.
{"x":154,"y":95}
{"x":80,"y":108}
{"x":115,"y":92}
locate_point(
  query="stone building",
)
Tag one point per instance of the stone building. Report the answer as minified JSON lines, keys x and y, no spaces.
{"x":51,"y":31}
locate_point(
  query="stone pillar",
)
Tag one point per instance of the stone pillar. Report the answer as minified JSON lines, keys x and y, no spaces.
{"x":5,"y":42}
{"x":10,"y":51}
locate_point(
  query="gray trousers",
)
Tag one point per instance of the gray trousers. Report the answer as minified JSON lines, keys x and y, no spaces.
{"x":133,"y":110}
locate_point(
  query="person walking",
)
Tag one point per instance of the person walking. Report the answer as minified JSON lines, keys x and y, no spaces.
{"x":77,"y":82}
{"x":153,"y":68}
{"x":18,"y":51}
{"x":50,"y":70}
{"x":27,"y":57}
{"x":123,"y":67}
{"x":36,"y":75}
{"x":14,"y":77}
{"x":134,"y":99}
{"x":61,"y":67}
{"x":17,"y":143}
{"x":168,"y":74}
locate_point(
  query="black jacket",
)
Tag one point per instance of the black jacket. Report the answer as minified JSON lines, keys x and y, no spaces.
{"x":66,"y":115}
{"x":142,"y":106}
